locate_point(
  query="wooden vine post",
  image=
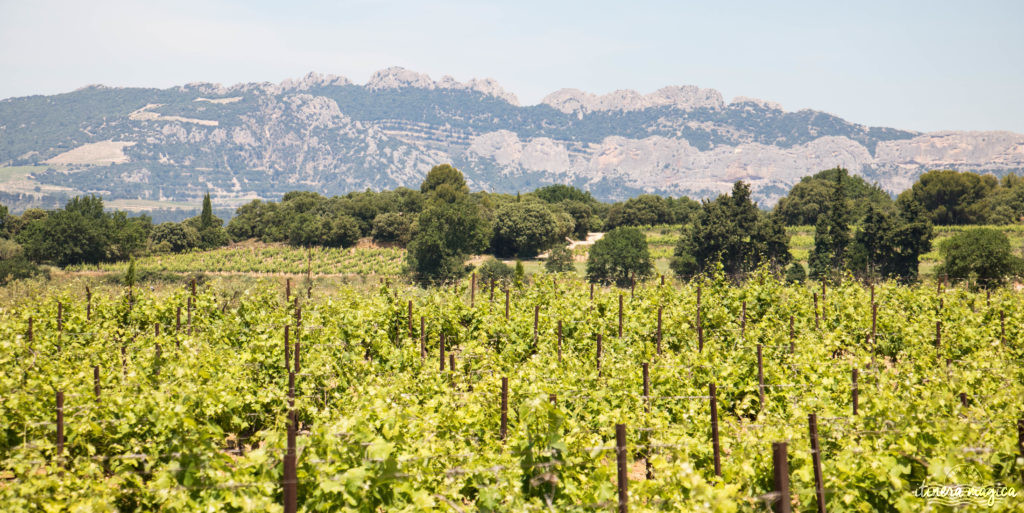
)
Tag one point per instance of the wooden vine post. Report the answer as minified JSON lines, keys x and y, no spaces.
{"x":289,"y":480}
{"x":760,"y":376}
{"x":620,"y":315}
{"x":559,"y":341}
{"x":714,"y":430}
{"x":621,"y":464}
{"x":819,"y":485}
{"x":659,"y":328}
{"x":780,"y":475}
{"x":504,"y":409}
{"x":60,"y":428}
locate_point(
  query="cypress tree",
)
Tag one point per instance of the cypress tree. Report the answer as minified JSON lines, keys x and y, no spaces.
{"x":206,"y":218}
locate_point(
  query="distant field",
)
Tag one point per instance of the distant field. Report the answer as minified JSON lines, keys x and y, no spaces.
{"x":132,"y":205}
{"x":14,"y":173}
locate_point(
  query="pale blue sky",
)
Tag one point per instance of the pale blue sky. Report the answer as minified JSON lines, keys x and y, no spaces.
{"x":915,"y":65}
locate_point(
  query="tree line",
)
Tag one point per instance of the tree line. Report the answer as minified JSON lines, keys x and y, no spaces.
{"x":858,"y":228}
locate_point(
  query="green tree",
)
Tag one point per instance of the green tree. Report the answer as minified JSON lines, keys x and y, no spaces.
{"x":620,"y":256}
{"x":444,"y":181}
{"x":173,"y":238}
{"x":732,"y":232}
{"x":523,"y":229}
{"x":340,"y":232}
{"x":308,"y":230}
{"x":643,"y":210}
{"x":582,"y":216}
{"x":392,"y":227}
{"x":446,"y":234}
{"x":129,"y":275}
{"x":206,"y":217}
{"x":796,"y":273}
{"x":80,"y":233}
{"x":810,"y":198}
{"x":831,"y":237}
{"x":889,"y":245}
{"x":559,"y":260}
{"x":519,"y":276}
{"x":494,"y":270}
{"x":559,"y":193}
{"x":979,"y":255}
{"x":951,"y":197}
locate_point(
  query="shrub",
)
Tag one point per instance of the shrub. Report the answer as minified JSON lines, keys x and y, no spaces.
{"x":979,"y":255}
{"x":559,"y":260}
{"x":796,"y":273}
{"x":494,"y":269}
{"x":394,"y":227}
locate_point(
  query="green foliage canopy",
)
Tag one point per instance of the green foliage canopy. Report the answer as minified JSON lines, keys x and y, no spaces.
{"x":619,"y":257}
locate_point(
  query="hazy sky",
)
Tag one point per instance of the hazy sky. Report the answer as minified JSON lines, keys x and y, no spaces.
{"x":915,"y":65}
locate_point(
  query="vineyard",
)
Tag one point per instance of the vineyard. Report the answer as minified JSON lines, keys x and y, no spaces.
{"x":553,"y":396}
{"x":270,"y":259}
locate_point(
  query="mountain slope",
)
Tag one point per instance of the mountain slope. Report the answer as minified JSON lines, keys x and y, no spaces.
{"x":327,"y":134}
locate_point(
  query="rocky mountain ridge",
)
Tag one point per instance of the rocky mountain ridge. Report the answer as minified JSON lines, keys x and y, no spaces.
{"x":325,"y":133}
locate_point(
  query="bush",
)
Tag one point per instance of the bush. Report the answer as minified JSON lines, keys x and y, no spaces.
{"x":342,"y":232}
{"x":173,"y":238}
{"x":559,"y":260}
{"x":620,"y":256}
{"x":393,"y":227}
{"x":18,"y":268}
{"x":796,"y":273}
{"x":979,"y":255}
{"x":494,"y":269}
